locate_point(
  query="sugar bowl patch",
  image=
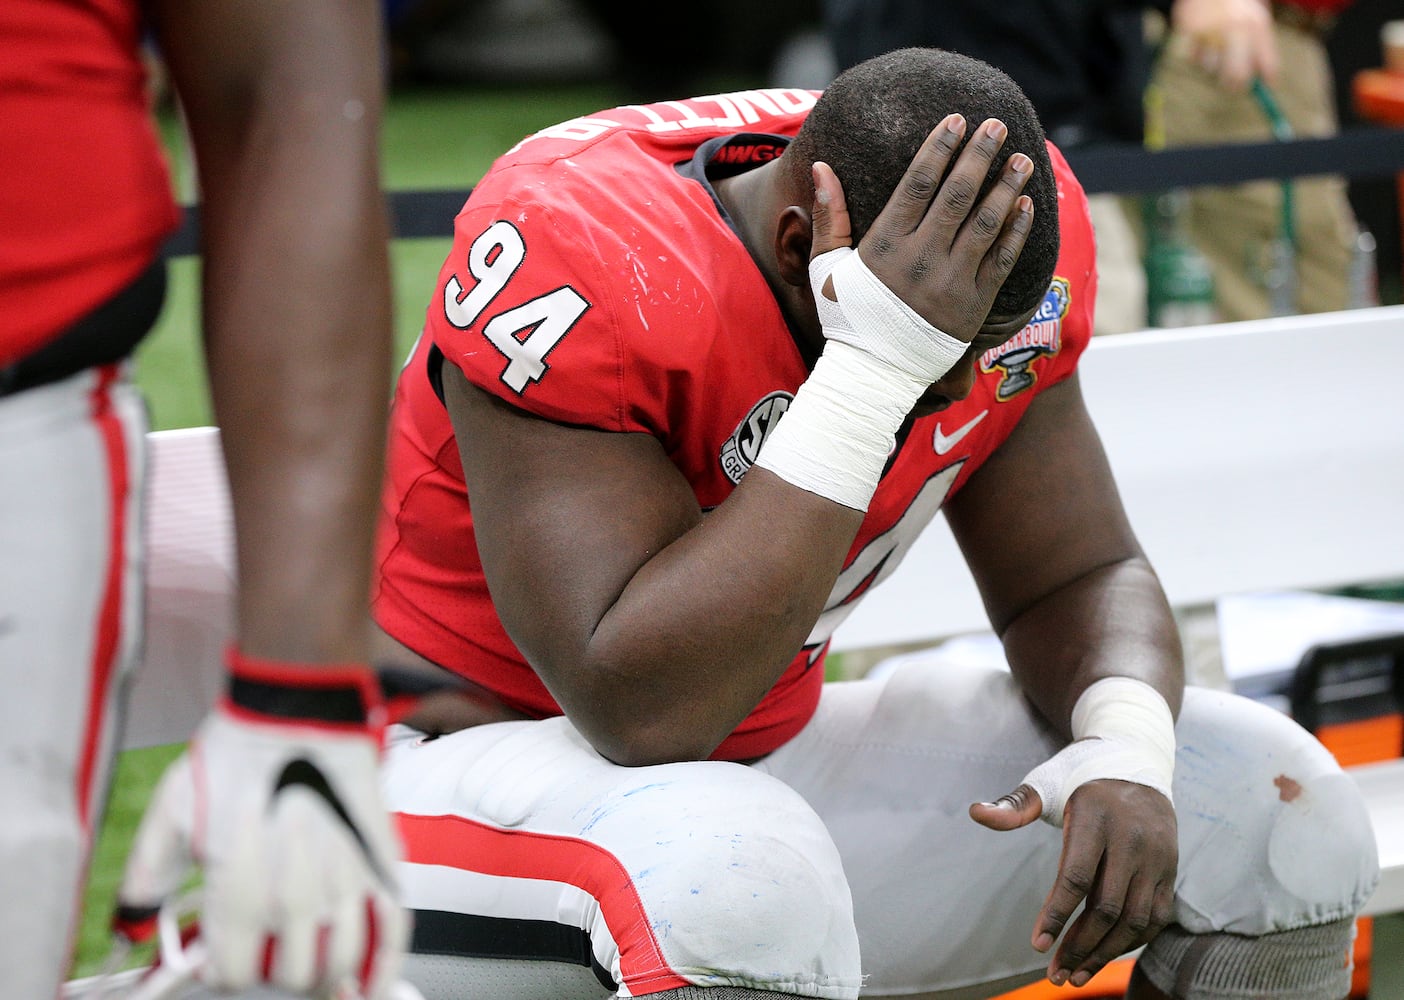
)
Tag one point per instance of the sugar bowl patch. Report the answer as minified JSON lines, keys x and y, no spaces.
{"x":1015,"y":359}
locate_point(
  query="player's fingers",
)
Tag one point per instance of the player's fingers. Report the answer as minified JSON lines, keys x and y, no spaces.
{"x":238,"y":927}
{"x":991,"y":217}
{"x":1162,"y":908}
{"x":304,"y":853}
{"x":1077,"y":874}
{"x":1141,"y":919}
{"x":234,"y":961}
{"x":830,"y":226}
{"x":1009,"y":812}
{"x":1004,"y":254}
{"x":958,"y":198}
{"x":345,"y":939}
{"x":996,"y":210}
{"x":1116,"y":916}
{"x":387,"y":938}
{"x":295,"y":965}
{"x":912,"y":198}
{"x":160,"y":855}
{"x":358,"y":930}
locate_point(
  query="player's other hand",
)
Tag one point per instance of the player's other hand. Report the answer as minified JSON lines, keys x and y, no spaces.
{"x":940,"y":246}
{"x":278,"y":799}
{"x":1120,"y":855}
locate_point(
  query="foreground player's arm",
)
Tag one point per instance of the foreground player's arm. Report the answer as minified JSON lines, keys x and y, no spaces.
{"x":1075,"y":601}
{"x":284,"y":104}
{"x":278,"y":797}
{"x":1062,"y":576}
{"x":656,"y":629}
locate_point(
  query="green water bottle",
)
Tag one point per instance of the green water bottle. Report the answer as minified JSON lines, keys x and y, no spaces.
{"x":1179,"y":280}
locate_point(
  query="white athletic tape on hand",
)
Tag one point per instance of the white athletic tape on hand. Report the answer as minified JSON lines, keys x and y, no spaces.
{"x":871,"y":317}
{"x":1123,"y":730}
{"x":835,"y":437}
{"x":879,"y":357}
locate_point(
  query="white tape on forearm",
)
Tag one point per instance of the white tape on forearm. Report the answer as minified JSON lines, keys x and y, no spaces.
{"x":879,"y":357}
{"x":835,"y":437}
{"x":871,"y":317}
{"x":1123,"y":730}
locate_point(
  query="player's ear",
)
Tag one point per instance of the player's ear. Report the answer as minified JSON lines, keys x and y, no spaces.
{"x":794,"y":234}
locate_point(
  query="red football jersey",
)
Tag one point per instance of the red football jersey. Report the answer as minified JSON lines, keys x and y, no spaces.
{"x":595,"y":281}
{"x":86,"y":201}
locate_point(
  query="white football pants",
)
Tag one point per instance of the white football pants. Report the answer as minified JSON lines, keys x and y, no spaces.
{"x":845,"y":858}
{"x":71,"y":477}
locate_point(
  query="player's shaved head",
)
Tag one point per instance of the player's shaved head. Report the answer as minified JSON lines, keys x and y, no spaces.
{"x":870,"y":121}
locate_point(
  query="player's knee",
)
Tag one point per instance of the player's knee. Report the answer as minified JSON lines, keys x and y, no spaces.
{"x":1274,"y":836}
{"x":757,"y":898}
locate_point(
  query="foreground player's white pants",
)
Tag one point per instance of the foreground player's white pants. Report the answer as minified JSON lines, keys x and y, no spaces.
{"x":846,"y":856}
{"x":71,"y":478}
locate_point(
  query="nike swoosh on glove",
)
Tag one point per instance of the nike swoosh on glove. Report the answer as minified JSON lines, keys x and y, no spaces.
{"x":277,"y":799}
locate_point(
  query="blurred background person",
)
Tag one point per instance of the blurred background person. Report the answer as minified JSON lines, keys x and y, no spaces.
{"x":1085,"y":65}
{"x":1274,"y":248}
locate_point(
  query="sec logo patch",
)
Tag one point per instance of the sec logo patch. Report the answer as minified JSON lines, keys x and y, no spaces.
{"x":738,"y":452}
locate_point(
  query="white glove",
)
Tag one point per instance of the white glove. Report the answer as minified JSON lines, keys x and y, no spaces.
{"x":180,"y":960}
{"x":278,"y":799}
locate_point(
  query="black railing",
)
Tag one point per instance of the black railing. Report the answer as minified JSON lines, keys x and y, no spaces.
{"x":1356,"y":153}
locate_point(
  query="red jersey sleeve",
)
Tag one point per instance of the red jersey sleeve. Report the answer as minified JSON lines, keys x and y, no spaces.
{"x":588,"y":268}
{"x":515,"y":310}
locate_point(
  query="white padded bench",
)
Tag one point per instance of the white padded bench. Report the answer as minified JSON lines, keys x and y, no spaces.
{"x":1250,"y":456}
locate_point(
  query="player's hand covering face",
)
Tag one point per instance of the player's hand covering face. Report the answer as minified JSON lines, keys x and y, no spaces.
{"x":943,"y":250}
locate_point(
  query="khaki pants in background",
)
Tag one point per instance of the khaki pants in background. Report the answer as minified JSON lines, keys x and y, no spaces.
{"x":1235,"y":226}
{"x":1121,"y":273}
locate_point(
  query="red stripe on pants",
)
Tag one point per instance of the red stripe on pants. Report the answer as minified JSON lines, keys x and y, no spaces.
{"x":109,"y":624}
{"x":465,"y":844}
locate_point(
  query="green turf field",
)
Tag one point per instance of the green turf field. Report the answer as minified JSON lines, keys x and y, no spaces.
{"x":433,"y":139}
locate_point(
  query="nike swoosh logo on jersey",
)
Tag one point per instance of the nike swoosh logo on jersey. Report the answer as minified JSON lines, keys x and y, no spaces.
{"x":945,"y":442}
{"x":302,"y":773}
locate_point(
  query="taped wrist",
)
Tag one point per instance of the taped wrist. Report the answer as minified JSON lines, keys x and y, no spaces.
{"x":835,"y":437}
{"x":879,"y":357}
{"x":871,"y":317}
{"x":338,"y":695}
{"x":1123,"y":729}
